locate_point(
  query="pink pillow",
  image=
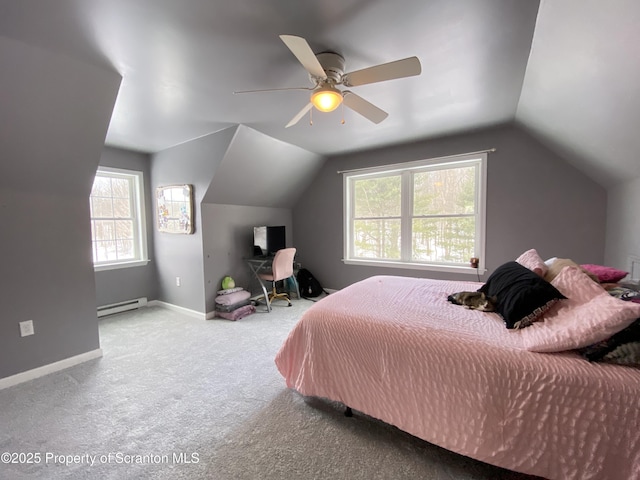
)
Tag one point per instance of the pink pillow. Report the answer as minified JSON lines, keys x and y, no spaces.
{"x":605,"y":274}
{"x":588,"y":315}
{"x":533,"y":262}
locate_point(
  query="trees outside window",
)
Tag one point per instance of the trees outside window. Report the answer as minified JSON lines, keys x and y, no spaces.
{"x":118,"y":229}
{"x":422,"y":214}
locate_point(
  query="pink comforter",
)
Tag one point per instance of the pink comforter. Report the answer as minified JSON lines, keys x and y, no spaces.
{"x":395,"y":349}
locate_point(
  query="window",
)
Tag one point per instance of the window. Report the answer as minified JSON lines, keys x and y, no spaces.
{"x":428,"y":214}
{"x":118,"y":227}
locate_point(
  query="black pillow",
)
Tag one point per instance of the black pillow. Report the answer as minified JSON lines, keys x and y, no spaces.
{"x":522,"y":295}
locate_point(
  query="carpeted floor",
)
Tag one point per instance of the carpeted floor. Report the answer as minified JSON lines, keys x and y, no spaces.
{"x":176,"y":397}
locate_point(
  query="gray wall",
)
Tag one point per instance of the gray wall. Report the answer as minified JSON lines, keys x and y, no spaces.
{"x":176,"y":255}
{"x":257,"y":183}
{"x":53,"y":121}
{"x":123,"y":284}
{"x":534,"y":200}
{"x":237,"y":166}
{"x":228,"y":238}
{"x":623,"y":227}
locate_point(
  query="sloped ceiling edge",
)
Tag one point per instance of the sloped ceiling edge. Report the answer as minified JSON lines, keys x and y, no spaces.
{"x":258,"y":170}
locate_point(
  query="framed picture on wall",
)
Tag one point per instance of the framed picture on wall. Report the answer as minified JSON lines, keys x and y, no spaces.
{"x":174,"y":209}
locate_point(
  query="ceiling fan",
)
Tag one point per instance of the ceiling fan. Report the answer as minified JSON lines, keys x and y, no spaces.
{"x":326,"y":71}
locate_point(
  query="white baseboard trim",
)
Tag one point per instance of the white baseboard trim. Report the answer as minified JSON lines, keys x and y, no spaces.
{"x":170,"y":306}
{"x":50,"y":368}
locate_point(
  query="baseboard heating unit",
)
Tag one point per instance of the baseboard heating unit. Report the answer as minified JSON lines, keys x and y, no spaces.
{"x":122,"y":306}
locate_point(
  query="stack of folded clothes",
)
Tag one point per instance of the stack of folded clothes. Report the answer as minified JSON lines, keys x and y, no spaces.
{"x":233,"y":303}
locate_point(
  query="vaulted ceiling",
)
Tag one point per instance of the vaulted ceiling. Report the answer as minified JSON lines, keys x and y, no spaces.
{"x":566,"y":70}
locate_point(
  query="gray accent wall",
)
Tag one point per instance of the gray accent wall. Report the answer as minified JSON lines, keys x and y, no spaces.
{"x":228,"y":239}
{"x":122,"y":284}
{"x":623,"y":227}
{"x":237,"y":167}
{"x":258,"y":182}
{"x":53,"y":121}
{"x":178,"y":255}
{"x":534,"y":200}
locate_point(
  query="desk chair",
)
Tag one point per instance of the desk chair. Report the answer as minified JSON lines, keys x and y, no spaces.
{"x":281,"y":269}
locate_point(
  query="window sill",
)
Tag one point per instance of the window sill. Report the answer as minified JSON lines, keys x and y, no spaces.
{"x":417,"y":266}
{"x":116,"y":266}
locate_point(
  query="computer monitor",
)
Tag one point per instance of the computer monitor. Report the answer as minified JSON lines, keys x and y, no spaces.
{"x":269,"y":239}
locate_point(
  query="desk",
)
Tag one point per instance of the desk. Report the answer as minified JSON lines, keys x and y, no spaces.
{"x":263,"y":264}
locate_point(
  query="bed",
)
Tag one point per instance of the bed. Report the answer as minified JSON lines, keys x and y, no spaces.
{"x":395,"y":349}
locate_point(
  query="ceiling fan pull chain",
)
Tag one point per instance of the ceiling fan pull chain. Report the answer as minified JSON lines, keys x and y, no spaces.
{"x":342,"y":109}
{"x":311,"y":116}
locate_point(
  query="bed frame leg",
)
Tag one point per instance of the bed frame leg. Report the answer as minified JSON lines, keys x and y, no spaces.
{"x":348,"y":412}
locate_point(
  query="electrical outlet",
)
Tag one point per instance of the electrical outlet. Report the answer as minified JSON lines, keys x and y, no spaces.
{"x":178,"y":281}
{"x":26,"y":328}
{"x":634,"y":268}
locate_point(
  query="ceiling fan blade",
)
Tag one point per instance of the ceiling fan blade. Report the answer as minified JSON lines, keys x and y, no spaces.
{"x":271,"y":90}
{"x":301,"y":49}
{"x":299,"y":115}
{"x":406,"y":67}
{"x":364,"y":108}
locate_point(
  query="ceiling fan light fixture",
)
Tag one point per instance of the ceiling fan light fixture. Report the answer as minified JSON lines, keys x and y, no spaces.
{"x":326,"y":99}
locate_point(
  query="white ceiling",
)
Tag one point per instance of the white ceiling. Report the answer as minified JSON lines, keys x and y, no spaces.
{"x":581,"y":94}
{"x":182,"y":60}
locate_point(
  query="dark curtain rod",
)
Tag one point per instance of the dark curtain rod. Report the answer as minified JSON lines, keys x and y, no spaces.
{"x":490,"y":150}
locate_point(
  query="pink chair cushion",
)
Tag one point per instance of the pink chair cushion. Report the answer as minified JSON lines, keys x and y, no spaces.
{"x":282,"y":266}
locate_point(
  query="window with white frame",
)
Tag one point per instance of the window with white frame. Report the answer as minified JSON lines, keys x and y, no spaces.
{"x":428,"y":214}
{"x":118,"y":227}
